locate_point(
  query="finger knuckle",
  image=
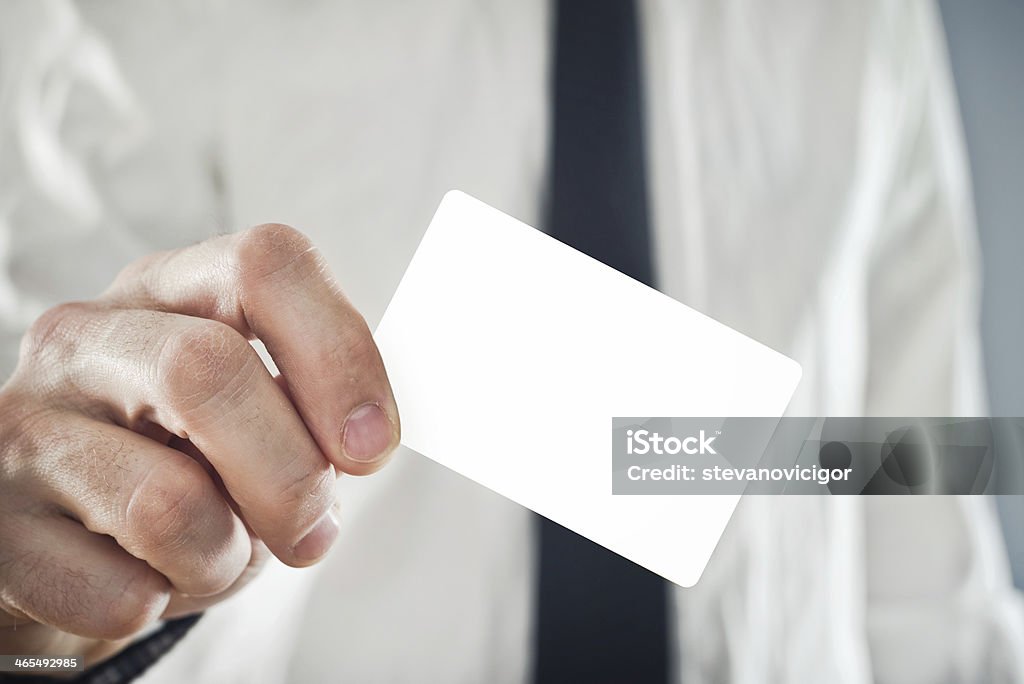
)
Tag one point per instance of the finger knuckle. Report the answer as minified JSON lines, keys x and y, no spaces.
{"x":135,"y":278}
{"x":307,"y":493}
{"x":272,"y":249}
{"x":168,"y":509}
{"x":91,"y":603}
{"x":178,"y":509}
{"x":46,"y":591}
{"x":36,"y":445}
{"x":24,"y":435}
{"x":141,"y":598}
{"x":219,"y":564}
{"x":57,"y":330}
{"x":201,"y":362}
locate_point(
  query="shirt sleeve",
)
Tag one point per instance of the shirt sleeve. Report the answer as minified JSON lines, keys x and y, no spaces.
{"x":940,"y":601}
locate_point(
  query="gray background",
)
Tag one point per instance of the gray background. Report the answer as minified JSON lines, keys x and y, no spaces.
{"x":986,"y":44}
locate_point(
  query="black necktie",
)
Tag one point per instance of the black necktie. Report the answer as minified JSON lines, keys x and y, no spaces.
{"x":600,"y":618}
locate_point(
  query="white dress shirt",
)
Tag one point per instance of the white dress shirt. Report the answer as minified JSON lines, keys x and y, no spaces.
{"x":809,"y":188}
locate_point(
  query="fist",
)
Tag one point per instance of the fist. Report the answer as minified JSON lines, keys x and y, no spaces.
{"x":149,"y":462}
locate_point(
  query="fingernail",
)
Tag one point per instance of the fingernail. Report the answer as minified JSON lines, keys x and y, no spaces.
{"x":319,"y":540}
{"x":367,"y":434}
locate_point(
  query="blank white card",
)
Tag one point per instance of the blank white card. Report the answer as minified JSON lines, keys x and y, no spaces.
{"x":510,"y":352}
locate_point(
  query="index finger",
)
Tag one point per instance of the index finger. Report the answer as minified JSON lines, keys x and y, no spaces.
{"x":270,"y":282}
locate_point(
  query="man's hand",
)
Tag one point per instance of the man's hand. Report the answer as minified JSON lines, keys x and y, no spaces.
{"x":148,"y":460}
